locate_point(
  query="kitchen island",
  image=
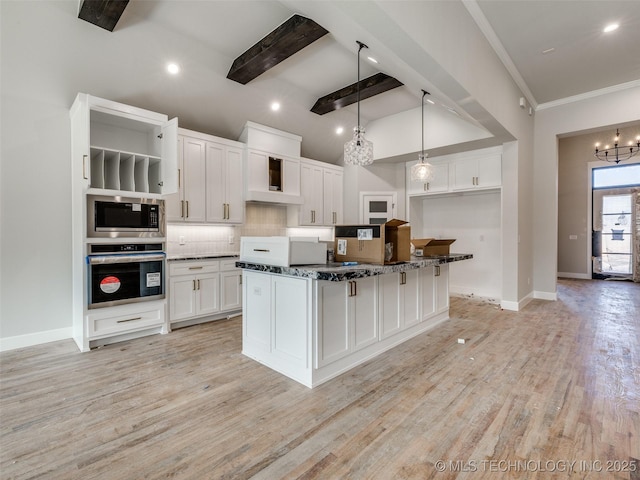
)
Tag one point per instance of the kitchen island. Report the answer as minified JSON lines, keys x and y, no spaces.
{"x":314,"y":322}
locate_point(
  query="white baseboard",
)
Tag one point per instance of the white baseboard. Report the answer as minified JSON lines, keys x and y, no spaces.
{"x":546,"y":295}
{"x":516,"y":306}
{"x":31,"y":339}
{"x":580,"y":276}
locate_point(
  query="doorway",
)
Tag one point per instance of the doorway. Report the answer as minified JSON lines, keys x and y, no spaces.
{"x":614,"y":221}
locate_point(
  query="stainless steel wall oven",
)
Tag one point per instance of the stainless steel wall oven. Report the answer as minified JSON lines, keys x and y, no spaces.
{"x":125,"y":273}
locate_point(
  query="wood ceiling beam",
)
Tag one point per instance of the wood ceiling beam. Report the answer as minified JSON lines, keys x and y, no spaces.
{"x":289,"y":38}
{"x":374,"y":85}
{"x":103,"y":13}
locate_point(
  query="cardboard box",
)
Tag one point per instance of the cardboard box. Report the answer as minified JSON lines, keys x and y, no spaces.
{"x":425,"y":247}
{"x":366,"y":243}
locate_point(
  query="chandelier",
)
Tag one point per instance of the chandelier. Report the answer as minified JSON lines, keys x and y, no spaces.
{"x":617,"y":153}
{"x":358,"y":150}
{"x":422,"y":171}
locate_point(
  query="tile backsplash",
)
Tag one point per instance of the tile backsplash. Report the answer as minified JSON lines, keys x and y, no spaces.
{"x":260,"y":220}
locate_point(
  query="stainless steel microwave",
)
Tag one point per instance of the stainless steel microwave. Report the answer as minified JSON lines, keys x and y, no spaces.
{"x":125,"y":217}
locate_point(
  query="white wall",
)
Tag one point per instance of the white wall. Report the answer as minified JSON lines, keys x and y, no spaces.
{"x":611,"y":108}
{"x":475,"y":222}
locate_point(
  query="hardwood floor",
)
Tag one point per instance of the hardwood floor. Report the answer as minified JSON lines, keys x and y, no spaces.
{"x":527,"y":394}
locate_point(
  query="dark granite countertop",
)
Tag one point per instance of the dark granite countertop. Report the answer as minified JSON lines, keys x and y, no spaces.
{"x":201,"y":256}
{"x":336,"y":272}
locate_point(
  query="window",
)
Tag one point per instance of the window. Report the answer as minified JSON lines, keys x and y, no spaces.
{"x":616,"y":176}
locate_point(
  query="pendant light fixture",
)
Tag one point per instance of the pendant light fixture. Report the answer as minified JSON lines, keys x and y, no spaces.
{"x":422,"y":171}
{"x":358,"y":151}
{"x":617,"y":153}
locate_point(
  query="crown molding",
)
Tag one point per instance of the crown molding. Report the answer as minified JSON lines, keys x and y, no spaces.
{"x":587,"y":95}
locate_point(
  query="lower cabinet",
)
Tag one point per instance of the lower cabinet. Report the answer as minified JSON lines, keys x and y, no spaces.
{"x":434,"y":290}
{"x":399,"y":302}
{"x":313,"y":330}
{"x":123,"y":319}
{"x":347,"y":317}
{"x":200,"y":289}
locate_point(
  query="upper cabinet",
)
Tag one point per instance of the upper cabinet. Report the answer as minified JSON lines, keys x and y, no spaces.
{"x":123,"y":149}
{"x":321,"y":190}
{"x":210,"y":180}
{"x":473,"y":173}
{"x":272,"y":165}
{"x":477,"y":170}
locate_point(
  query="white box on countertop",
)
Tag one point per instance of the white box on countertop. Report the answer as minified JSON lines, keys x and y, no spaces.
{"x":283,"y":251}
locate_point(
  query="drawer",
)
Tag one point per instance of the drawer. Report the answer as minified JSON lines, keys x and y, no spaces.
{"x":129,"y":318}
{"x":266,"y":250}
{"x":193,"y":268}
{"x":228,"y":265}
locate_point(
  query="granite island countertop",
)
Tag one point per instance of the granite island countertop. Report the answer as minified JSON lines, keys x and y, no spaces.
{"x":336,"y":272}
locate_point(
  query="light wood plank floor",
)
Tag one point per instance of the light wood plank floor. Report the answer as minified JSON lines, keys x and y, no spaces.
{"x":557,"y":382}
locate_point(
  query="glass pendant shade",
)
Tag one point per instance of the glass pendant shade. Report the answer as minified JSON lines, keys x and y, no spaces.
{"x":421,"y":171}
{"x":358,"y":151}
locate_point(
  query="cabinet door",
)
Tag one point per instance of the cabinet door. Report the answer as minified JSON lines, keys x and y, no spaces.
{"x":464,"y":173}
{"x":428,"y":292}
{"x":389,"y":304}
{"x":207,"y":294}
{"x":289,"y":327}
{"x":257,"y":171}
{"x":291,"y":176}
{"x":234,"y":186}
{"x":364,"y":319}
{"x":490,"y":171}
{"x":168,"y":181}
{"x":194,"y":179}
{"x":231,"y":290}
{"x":410,"y":288}
{"x":256,"y":318}
{"x":311,"y":211}
{"x":174,"y":202}
{"x":182,"y":303}
{"x":332,"y":326}
{"x":442,"y":287}
{"x":332,"y":194}
{"x":216,"y":200}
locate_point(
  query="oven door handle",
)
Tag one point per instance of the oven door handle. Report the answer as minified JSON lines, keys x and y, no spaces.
{"x":125,"y":258}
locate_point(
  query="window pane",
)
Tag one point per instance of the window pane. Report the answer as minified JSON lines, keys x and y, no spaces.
{"x":376,"y":206}
{"x":618,"y":176}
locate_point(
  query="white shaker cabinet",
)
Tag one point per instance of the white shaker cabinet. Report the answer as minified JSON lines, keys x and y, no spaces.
{"x":434,"y":290}
{"x":230,"y":286}
{"x":225,"y":203}
{"x":311,"y":177}
{"x":116,"y":150}
{"x":399,"y":301}
{"x":347,"y":317}
{"x":194,"y":289}
{"x":476,"y":172}
{"x":188,"y":205}
{"x":333,"y":195}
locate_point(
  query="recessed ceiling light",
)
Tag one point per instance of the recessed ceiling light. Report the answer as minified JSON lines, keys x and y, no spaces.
{"x":275,"y":106}
{"x":611,"y":27}
{"x":371,"y":59}
{"x":339,"y":130}
{"x":173,"y":68}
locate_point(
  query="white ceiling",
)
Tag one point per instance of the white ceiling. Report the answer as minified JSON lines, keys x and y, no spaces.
{"x":208,"y":35}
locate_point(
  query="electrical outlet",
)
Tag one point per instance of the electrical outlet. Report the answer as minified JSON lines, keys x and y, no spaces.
{"x":181,"y":240}
{"x":231,"y":239}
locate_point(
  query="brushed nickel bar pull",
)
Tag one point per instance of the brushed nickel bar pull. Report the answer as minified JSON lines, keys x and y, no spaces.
{"x":437,"y":270}
{"x":196,"y":268}
{"x":261,"y":250}
{"x":85,"y":174}
{"x":194,"y":285}
{"x":182,"y":208}
{"x":129,"y":320}
{"x":198,"y":284}
{"x":187,"y":202}
{"x":179,"y":178}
